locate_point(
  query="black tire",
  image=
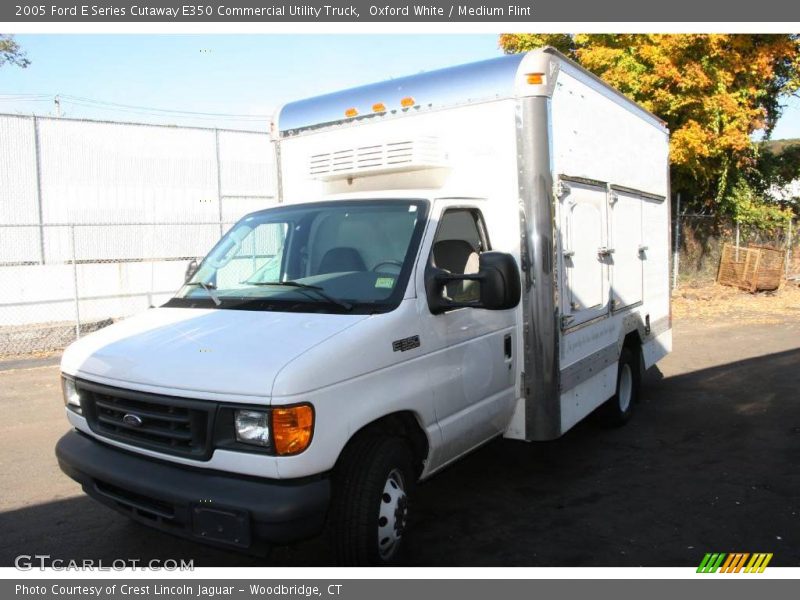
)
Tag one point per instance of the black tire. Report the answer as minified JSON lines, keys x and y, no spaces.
{"x":360,"y":497}
{"x":619,"y":408}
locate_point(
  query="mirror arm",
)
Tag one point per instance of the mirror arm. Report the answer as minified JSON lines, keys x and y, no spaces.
{"x":191,"y":270}
{"x":454,"y":305}
{"x":444,"y":279}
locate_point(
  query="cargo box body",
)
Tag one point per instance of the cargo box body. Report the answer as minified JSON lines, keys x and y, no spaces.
{"x":576,"y":182}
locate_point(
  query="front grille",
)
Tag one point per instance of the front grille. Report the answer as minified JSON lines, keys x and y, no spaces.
{"x":162,"y":423}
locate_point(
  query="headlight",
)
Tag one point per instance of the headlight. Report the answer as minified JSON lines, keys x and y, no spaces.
{"x":284,"y":430}
{"x":72,"y":397}
{"x":252,"y":427}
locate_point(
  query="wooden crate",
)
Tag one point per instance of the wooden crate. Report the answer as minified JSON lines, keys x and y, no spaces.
{"x":755,"y":268}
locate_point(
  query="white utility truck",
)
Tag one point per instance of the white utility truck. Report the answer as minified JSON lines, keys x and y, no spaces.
{"x":463,"y":254}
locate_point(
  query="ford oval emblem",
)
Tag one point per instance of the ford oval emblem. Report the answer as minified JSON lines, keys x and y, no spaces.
{"x":132,"y":420}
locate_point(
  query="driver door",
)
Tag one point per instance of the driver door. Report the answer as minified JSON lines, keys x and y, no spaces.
{"x":470,"y":361}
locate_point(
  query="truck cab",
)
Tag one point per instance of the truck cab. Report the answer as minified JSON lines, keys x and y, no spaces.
{"x":310,"y":331}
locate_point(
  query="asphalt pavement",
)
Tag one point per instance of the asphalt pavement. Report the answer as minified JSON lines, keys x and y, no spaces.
{"x":709,"y":463}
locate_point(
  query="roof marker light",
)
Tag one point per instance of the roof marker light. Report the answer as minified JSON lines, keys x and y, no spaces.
{"x":351,"y":112}
{"x":535,"y":78}
{"x":407,"y":102}
{"x":379,"y":107}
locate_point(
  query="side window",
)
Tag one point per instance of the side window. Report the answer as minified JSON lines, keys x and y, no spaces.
{"x":460,"y":239}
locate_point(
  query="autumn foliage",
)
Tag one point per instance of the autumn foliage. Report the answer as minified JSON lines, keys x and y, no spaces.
{"x":714,"y":91}
{"x":11,"y":53}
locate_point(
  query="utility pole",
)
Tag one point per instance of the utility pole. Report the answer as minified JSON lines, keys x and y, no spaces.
{"x":788,"y":259}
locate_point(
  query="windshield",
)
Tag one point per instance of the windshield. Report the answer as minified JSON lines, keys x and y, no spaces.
{"x":339,"y":256}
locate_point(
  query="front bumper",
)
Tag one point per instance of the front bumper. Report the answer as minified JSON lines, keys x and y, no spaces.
{"x":247,"y":513}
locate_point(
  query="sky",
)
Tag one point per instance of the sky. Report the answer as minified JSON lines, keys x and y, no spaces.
{"x":227,"y":74}
{"x":232,"y":74}
{"x":789,"y":124}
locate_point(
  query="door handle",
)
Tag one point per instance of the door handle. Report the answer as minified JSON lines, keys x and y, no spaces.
{"x":604,"y":251}
{"x":507,"y":350}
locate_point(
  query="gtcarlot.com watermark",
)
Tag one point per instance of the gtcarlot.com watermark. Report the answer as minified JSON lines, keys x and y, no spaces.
{"x":30,"y":562}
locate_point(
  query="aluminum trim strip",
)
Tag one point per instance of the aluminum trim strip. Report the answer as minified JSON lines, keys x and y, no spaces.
{"x":540,"y":315}
{"x":633,"y":191}
{"x":588,"y":367}
{"x":658,"y":327}
{"x":583,"y":180}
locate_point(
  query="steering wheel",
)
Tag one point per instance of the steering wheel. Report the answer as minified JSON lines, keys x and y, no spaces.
{"x":394,"y":263}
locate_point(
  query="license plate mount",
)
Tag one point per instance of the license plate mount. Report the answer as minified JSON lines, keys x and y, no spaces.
{"x":221,"y":525}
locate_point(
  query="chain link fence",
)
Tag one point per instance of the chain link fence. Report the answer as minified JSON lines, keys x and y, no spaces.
{"x":98,"y":220}
{"x":94,"y":274}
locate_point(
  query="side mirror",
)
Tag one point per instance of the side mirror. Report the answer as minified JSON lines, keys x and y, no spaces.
{"x":191,"y":269}
{"x":498,"y":279}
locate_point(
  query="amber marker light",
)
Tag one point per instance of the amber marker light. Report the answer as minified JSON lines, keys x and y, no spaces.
{"x":407,"y":102}
{"x":535,"y":78}
{"x":350,"y":113}
{"x":292,"y":427}
{"x":379,"y":107}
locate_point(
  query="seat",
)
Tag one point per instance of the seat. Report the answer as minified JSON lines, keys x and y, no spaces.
{"x":340,"y":260}
{"x":460,"y":258}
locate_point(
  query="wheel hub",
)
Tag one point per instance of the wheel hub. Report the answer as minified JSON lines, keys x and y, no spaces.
{"x":625,"y":388}
{"x":392,"y":516}
{"x":400,"y":515}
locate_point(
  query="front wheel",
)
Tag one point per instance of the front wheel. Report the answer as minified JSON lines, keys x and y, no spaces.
{"x":369,"y":513}
{"x":618,"y":409}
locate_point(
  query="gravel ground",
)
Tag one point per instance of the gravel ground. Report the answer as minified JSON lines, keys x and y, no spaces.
{"x":724,"y":304}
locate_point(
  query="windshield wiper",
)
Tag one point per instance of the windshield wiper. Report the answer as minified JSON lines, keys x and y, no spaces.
{"x":209,"y":288}
{"x":305,"y":286}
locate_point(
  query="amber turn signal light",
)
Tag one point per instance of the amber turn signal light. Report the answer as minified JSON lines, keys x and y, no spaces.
{"x":292,"y":427}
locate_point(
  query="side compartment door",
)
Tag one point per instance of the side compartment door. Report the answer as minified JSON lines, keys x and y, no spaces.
{"x":629,"y":253}
{"x":656,"y":256}
{"x":584,"y":246}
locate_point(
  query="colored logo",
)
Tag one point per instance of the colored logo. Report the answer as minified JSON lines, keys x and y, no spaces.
{"x":735,"y":562}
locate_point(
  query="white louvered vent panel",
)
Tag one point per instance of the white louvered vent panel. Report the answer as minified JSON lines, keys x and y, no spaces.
{"x":402,"y":155}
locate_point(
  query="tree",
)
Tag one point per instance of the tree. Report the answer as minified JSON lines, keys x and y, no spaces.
{"x":777,"y":165}
{"x":11,"y":53}
{"x":714,"y":91}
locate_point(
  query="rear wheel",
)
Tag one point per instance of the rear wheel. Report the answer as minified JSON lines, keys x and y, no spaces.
{"x":618,"y":409}
{"x":369,"y":513}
